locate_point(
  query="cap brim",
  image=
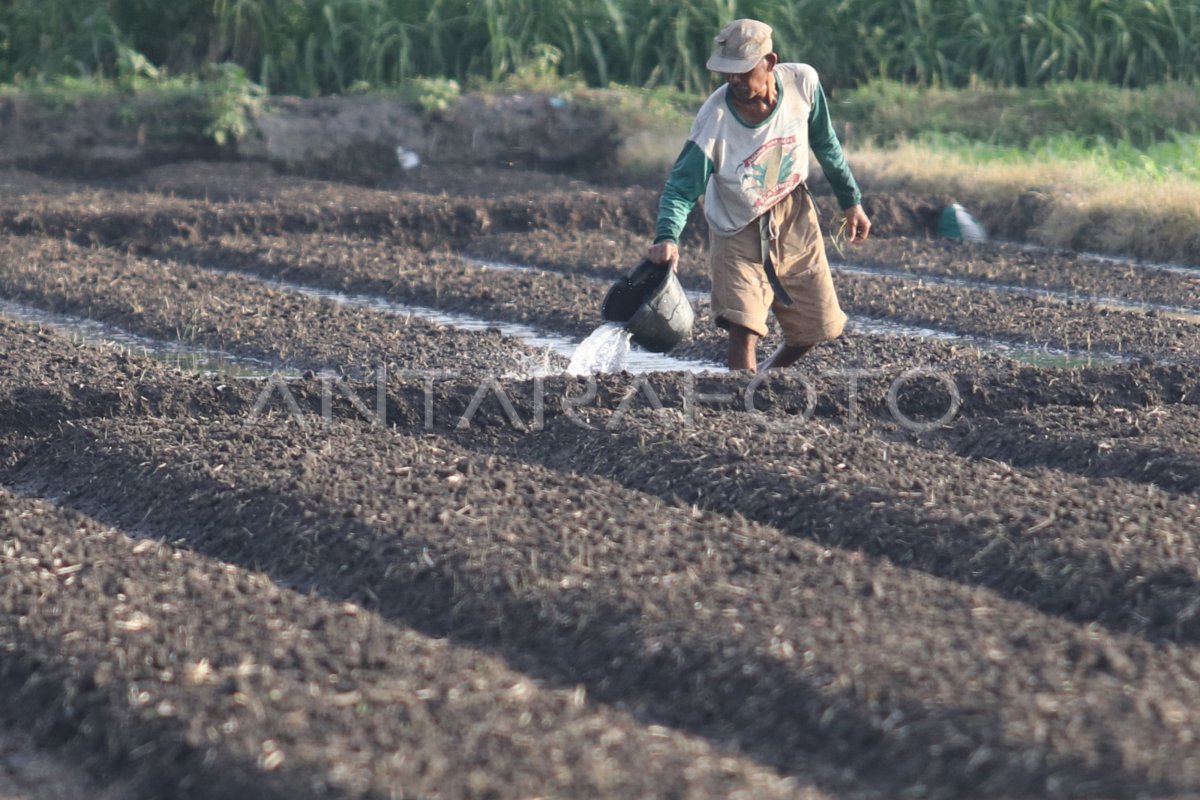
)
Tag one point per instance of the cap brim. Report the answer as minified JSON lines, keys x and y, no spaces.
{"x":732,"y":66}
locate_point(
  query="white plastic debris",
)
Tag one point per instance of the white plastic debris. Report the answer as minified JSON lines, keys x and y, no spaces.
{"x":957,"y":223}
{"x":408,"y":159}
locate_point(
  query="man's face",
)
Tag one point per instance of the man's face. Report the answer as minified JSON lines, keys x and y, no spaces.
{"x":752,"y":85}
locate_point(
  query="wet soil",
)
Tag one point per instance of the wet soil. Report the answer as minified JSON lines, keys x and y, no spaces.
{"x":239,"y":314}
{"x":29,"y":773}
{"x":902,"y":296}
{"x":562,"y":302}
{"x":1010,"y":264}
{"x":854,"y":579}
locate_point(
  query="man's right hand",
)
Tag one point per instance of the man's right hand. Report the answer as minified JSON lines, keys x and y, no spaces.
{"x":664,"y":253}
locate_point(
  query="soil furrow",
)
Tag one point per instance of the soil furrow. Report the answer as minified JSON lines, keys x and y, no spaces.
{"x":138,"y":220}
{"x":954,"y":308}
{"x":1158,"y":445}
{"x":550,"y":300}
{"x":608,"y":252}
{"x":902,"y":222}
{"x":1011,"y":264}
{"x":691,"y":650}
{"x":240,"y":314}
{"x":965,"y":310}
{"x":678,"y":615}
{"x":1034,"y":320}
{"x":116,"y":655}
{"x":886,"y":395}
{"x":555,"y":302}
{"x":855,"y":579}
{"x":216,"y":306}
{"x":892,"y":214}
{"x":436,"y":279}
{"x":1090,"y":551}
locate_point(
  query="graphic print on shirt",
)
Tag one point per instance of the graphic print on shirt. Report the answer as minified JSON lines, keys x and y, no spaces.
{"x":769,"y":173}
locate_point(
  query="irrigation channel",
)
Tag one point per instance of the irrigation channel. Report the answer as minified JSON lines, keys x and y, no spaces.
{"x":637,"y":361}
{"x":1019,"y":351}
{"x":425,"y":562}
{"x":175,"y":353}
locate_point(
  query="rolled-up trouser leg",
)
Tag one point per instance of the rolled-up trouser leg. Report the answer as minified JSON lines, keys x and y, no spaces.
{"x":742,"y":295}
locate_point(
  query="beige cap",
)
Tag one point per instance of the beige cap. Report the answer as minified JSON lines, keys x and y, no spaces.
{"x":740,"y":46}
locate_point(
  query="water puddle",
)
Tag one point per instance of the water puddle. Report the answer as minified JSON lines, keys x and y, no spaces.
{"x":607,"y":349}
{"x":504,"y":266}
{"x":1177,"y":269}
{"x":176,"y":354}
{"x":1185,"y":313}
{"x":633,"y":360}
{"x":1034,"y":355}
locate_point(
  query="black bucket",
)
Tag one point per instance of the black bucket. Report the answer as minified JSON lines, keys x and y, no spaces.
{"x":650,"y":303}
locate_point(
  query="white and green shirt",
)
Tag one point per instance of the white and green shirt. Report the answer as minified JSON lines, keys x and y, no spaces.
{"x":741,"y":169}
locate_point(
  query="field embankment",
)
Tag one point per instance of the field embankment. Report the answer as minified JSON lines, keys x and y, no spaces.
{"x":1076,"y":200}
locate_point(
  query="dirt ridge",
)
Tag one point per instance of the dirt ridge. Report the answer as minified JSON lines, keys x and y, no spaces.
{"x":903,"y":568}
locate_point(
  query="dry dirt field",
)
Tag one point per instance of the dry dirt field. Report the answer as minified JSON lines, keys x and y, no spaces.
{"x":952,"y":554}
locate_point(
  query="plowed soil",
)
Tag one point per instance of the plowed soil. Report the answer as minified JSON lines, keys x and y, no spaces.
{"x":910,"y":566}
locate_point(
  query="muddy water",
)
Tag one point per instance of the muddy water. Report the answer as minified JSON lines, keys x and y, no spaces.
{"x":176,"y":354}
{"x":1076,"y":319}
{"x":589,"y":357}
{"x":600,"y":352}
{"x":1185,"y":270}
{"x":1186,"y":313}
{"x":1036,"y":355}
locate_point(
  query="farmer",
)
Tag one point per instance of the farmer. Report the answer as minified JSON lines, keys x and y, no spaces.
{"x":747,"y":153}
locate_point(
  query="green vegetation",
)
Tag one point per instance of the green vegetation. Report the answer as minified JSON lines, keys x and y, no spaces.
{"x":1150,"y":134}
{"x":1178,"y":158}
{"x":216,"y":104}
{"x":312,"y":47}
{"x":1098,"y":113}
{"x":1091,"y":106}
{"x":1067,"y":194}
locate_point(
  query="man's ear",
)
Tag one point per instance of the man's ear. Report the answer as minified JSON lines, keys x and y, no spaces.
{"x":772,"y":59}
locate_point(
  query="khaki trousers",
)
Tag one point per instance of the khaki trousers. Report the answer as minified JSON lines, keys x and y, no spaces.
{"x":741,"y":293}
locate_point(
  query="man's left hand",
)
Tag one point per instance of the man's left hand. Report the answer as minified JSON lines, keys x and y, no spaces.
{"x":858,"y":225}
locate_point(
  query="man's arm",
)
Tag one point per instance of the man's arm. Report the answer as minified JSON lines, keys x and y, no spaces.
{"x":684,"y":186}
{"x":828,"y":150}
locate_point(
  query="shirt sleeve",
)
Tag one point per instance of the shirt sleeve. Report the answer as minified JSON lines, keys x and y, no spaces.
{"x":828,"y":150}
{"x":685,"y":185}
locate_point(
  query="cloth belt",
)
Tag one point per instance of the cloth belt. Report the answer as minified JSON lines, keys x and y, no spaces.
{"x":768,"y":232}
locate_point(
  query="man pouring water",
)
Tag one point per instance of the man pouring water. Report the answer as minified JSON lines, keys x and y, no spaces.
{"x":747,"y":154}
